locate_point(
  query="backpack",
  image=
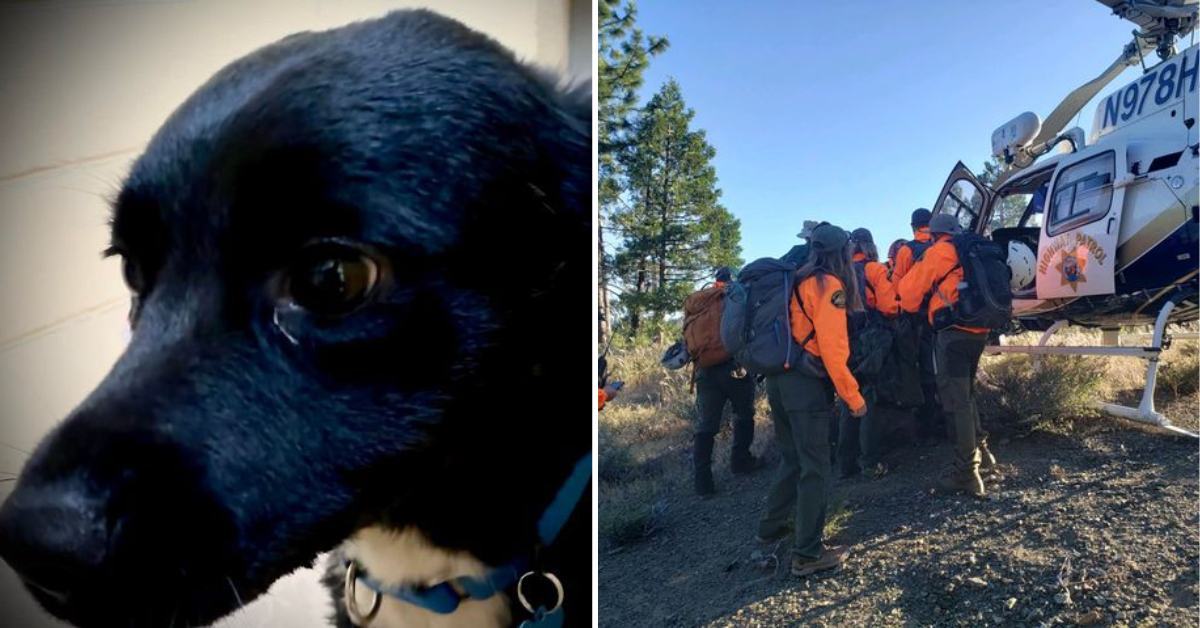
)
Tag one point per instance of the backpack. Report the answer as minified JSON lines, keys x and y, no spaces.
{"x":756,"y":319}
{"x":898,"y":384}
{"x":918,"y":248}
{"x":796,"y":255}
{"x":702,"y":326}
{"x":985,"y":292}
{"x":870,"y":335}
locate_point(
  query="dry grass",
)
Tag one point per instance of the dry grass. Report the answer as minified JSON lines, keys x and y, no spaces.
{"x":1013,"y":389}
{"x":645,"y":434}
{"x":1180,"y":368}
{"x":651,"y":417}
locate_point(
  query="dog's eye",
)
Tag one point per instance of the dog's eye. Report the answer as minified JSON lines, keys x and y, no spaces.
{"x":332,"y":279}
{"x":133,"y":275}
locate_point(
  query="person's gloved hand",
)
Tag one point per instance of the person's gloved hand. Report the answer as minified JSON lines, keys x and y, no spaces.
{"x":859,"y":412}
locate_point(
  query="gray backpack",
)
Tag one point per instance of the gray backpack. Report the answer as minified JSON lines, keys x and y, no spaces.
{"x":756,"y":322}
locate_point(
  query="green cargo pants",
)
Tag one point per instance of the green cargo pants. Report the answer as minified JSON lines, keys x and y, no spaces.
{"x":859,"y":439}
{"x":930,"y":418}
{"x":716,"y":385}
{"x":956,"y":360}
{"x":801,"y":408}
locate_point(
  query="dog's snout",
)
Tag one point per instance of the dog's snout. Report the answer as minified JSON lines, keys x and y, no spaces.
{"x":54,"y":537}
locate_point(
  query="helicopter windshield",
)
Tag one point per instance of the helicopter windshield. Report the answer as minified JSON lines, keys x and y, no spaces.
{"x":1022,"y":203}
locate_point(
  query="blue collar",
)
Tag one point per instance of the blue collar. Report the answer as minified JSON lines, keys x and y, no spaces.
{"x":445,"y":597}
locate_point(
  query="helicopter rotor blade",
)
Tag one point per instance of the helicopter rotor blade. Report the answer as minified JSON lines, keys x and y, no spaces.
{"x":1066,"y":110}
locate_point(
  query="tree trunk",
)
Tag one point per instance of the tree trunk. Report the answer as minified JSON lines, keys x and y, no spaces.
{"x":602,"y":286}
{"x":635,"y":313}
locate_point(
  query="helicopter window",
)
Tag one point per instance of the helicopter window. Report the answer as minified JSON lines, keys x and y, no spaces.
{"x":1083,"y":193}
{"x":964,"y":201}
{"x":1020,"y":203}
{"x":1034,"y":219}
{"x":1035,"y":211}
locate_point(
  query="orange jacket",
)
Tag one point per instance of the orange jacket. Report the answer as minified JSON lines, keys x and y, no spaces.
{"x":825,"y":308}
{"x":603,"y":398}
{"x":881,"y":295}
{"x":904,"y":257}
{"x":937,"y":272}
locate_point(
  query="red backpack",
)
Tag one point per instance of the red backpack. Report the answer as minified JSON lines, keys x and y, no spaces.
{"x":702,"y":326}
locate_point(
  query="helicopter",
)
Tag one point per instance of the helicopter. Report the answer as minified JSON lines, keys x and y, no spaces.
{"x":1102,"y":228}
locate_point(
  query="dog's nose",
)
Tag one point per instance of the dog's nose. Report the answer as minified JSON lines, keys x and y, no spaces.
{"x":55,"y":538}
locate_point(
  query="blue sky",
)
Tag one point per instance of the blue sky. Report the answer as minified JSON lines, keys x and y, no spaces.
{"x":854,"y":111}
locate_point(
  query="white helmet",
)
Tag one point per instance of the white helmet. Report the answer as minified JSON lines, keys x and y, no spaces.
{"x":1022,"y":262}
{"x":676,"y":356}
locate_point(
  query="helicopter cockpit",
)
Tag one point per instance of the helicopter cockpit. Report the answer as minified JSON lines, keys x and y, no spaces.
{"x":1015,"y":222}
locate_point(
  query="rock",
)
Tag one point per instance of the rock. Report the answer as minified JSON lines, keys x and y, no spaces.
{"x":1064,"y":597}
{"x":977,"y":582}
{"x":1087,"y":619}
{"x":1010,"y":603}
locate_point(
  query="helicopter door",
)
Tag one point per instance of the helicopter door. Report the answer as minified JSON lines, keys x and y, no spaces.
{"x":1078,"y":245}
{"x":964,"y":197}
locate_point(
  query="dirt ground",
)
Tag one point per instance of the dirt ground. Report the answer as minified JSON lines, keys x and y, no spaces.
{"x":1092,"y":524}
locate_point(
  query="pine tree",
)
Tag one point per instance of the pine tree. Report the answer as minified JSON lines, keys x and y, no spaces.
{"x":674,"y":230}
{"x":623,"y":54}
{"x":1008,"y":210}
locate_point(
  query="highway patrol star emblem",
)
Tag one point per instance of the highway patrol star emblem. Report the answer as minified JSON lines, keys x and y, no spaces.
{"x":1071,"y":269}
{"x":838,"y":299}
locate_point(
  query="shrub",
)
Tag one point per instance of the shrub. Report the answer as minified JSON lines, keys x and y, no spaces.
{"x":1011,"y":388}
{"x":628,"y":512}
{"x":1180,"y":367}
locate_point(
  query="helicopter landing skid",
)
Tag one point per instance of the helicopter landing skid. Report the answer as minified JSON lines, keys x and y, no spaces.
{"x":1144,"y":412}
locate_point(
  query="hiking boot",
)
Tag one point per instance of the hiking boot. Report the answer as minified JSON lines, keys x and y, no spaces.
{"x":962,"y":481}
{"x":831,"y":557}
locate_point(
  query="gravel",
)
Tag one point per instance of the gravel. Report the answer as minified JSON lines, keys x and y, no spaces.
{"x":1096,"y":527}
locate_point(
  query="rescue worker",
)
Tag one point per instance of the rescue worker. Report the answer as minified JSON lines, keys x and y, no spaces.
{"x":715,"y":386}
{"x":607,"y":391}
{"x":799,"y":253}
{"x":859,"y":439}
{"x":607,"y":394}
{"x":911,"y":250}
{"x":892,"y":251}
{"x":801,"y":401}
{"x":880,"y":295}
{"x":723,"y":276}
{"x":956,"y":353}
{"x":915,"y":337}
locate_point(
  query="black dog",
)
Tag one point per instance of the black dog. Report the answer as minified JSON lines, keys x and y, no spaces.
{"x":361,"y":266}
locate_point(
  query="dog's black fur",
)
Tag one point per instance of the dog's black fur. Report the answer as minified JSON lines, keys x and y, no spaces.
{"x":240,"y":435}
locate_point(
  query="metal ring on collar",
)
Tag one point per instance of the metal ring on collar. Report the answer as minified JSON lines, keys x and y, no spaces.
{"x":356,"y":615}
{"x":558,"y":587}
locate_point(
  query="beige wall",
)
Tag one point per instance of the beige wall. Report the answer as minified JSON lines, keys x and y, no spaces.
{"x":83,"y":85}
